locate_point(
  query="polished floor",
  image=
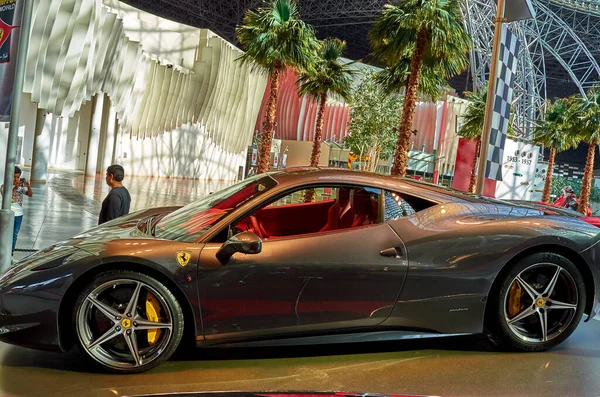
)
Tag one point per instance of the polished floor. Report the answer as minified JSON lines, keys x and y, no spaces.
{"x":70,"y":203}
{"x":457,"y":366}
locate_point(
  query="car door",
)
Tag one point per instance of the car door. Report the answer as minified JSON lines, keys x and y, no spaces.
{"x":250,"y":294}
{"x":333,"y":278}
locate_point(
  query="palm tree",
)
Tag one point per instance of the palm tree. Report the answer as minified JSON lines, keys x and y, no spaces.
{"x":329,"y":75}
{"x":585,"y":116}
{"x":554,"y":132}
{"x":275,"y":38}
{"x":431,"y":35}
{"x":472,"y":127}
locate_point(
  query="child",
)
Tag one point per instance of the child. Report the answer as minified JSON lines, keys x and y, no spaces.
{"x":21,"y":187}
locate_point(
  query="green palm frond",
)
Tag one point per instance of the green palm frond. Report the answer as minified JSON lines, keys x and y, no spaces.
{"x":274,"y":37}
{"x":328,"y":73}
{"x":584,"y":115}
{"x":431,"y":82}
{"x":394,"y":39}
{"x":555,"y":131}
{"x":473,"y":118}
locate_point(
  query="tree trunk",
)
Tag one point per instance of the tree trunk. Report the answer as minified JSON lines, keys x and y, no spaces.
{"x":310,"y":194}
{"x":360,"y":159}
{"x":473,"y":180}
{"x":546,"y":195}
{"x":408,"y":108}
{"x":316,"y":151}
{"x":586,"y":186}
{"x":264,"y":155}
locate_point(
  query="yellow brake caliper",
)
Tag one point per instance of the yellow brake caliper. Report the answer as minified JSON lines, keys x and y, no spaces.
{"x":153,"y":310}
{"x":514,"y":299}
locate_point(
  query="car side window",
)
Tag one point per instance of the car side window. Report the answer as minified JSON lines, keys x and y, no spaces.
{"x":397,"y":205}
{"x":319,"y":194}
{"x":315,"y":210}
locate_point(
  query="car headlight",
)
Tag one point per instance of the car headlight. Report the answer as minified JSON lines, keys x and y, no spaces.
{"x":50,"y":257}
{"x":58,"y":258}
{"x":43,"y":260}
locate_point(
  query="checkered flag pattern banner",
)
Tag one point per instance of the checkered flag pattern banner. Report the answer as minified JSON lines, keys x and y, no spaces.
{"x":505,"y":81}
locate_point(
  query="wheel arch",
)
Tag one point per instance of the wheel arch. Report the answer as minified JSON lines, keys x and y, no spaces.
{"x":573,"y":256}
{"x":67,"y":304}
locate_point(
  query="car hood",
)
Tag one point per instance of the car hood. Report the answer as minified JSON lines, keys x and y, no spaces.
{"x":131,"y":226}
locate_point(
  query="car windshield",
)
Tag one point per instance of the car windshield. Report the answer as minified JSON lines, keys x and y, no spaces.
{"x":190,"y":222}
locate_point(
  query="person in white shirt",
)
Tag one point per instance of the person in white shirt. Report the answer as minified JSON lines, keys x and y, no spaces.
{"x":21,"y":187}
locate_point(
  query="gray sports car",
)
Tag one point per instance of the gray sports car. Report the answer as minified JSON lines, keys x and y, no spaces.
{"x":306,"y":256}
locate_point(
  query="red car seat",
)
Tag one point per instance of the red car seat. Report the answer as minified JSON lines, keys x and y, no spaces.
{"x":340,"y":214}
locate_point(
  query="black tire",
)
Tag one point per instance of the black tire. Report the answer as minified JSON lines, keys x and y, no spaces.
{"x":171,"y":336}
{"x":521,"y":334}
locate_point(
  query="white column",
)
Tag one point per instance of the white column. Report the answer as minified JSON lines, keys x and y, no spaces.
{"x":82,"y":137}
{"x":28,"y":118}
{"x":94,"y":142}
{"x":41,"y":146}
{"x":112,"y":126}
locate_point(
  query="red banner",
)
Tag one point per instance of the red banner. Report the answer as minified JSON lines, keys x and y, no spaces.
{"x":462,"y":170}
{"x":11,"y":12}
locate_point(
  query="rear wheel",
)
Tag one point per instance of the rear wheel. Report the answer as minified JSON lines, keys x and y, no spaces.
{"x":127,"y":322}
{"x":540,"y":302}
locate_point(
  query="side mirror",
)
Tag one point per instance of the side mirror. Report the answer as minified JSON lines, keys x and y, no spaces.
{"x":245,"y":242}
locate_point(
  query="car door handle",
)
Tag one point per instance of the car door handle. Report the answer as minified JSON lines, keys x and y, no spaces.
{"x":394,"y":252}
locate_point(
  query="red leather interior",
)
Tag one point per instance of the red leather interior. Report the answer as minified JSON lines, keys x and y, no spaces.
{"x":333,"y":218}
{"x":293,"y":219}
{"x":256,"y":227}
{"x":349,"y":210}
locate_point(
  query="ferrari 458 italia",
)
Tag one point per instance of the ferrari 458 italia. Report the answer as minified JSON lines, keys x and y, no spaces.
{"x":306,"y":256}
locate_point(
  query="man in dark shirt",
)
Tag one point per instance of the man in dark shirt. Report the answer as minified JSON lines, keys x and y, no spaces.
{"x":117,"y":202}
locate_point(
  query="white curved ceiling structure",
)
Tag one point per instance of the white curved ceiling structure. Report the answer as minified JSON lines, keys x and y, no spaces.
{"x":159,"y":74}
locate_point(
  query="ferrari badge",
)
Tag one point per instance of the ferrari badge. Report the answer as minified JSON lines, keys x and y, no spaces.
{"x":183,"y":258}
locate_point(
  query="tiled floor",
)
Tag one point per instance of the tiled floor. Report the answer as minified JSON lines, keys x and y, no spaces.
{"x":48,"y":218}
{"x":459,"y":366}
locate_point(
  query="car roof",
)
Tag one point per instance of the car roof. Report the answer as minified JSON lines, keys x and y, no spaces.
{"x":307,"y":175}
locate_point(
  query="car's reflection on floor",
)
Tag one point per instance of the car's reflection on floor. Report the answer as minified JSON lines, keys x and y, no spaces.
{"x":441,"y":366}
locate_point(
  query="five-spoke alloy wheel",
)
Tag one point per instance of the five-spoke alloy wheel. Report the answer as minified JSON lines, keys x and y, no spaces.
{"x":128,"y":322}
{"x":540,"y":302}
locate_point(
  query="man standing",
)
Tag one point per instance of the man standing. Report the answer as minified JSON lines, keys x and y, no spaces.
{"x":21,"y":187}
{"x":117,"y":201}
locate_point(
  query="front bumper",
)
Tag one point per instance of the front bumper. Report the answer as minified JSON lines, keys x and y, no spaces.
{"x":29,"y":304}
{"x":35,"y":331}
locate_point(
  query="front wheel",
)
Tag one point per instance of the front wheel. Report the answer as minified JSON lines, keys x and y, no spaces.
{"x":540,"y":302}
{"x":127,"y":322}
